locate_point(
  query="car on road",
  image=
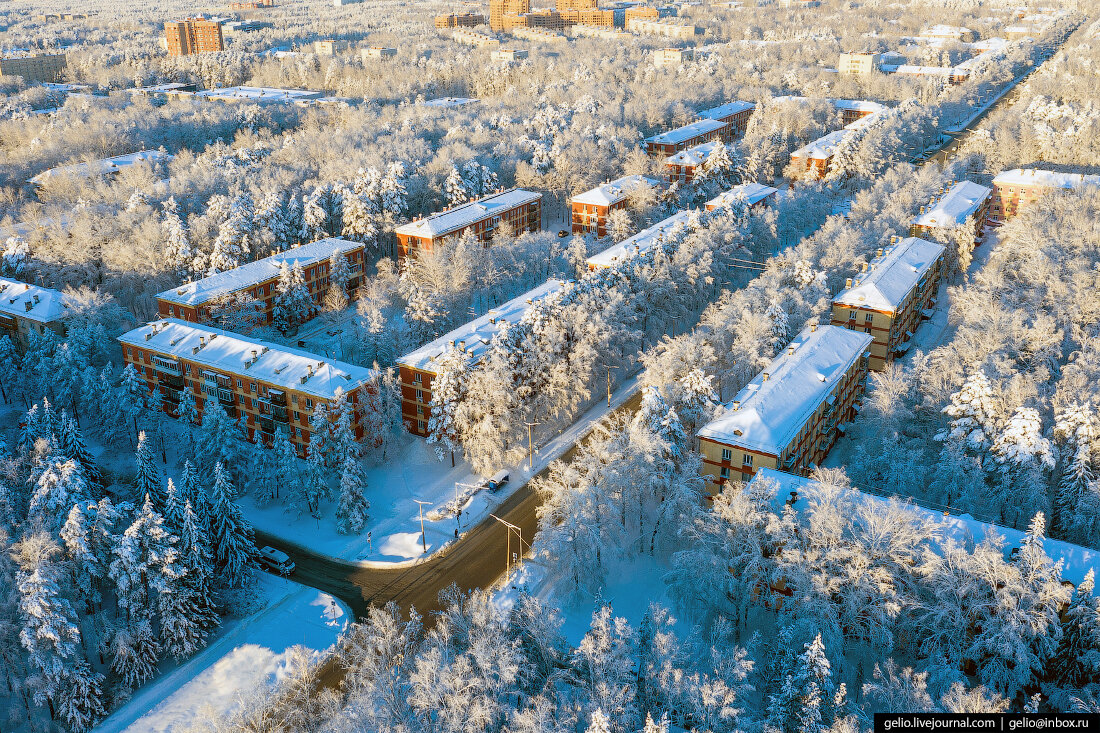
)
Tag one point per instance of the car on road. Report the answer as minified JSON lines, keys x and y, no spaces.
{"x":563,"y":233}
{"x":500,"y":478}
{"x":276,"y":561}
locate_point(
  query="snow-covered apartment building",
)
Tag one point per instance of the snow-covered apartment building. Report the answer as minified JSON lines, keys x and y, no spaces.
{"x":198,"y":301}
{"x":813,"y":159}
{"x":416,"y":369}
{"x":754,"y":196}
{"x":101,"y":168}
{"x":963,"y":203}
{"x":27,"y":309}
{"x":890,"y":298}
{"x":1020,"y":186}
{"x":682,"y":167}
{"x":641,"y":243}
{"x":265,"y":386}
{"x":725,"y":122}
{"x":519,"y":208}
{"x":789,"y":415}
{"x":591,"y":208}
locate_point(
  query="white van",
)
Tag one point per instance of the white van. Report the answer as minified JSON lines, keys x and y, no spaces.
{"x":276,"y":561}
{"x":499,"y":479}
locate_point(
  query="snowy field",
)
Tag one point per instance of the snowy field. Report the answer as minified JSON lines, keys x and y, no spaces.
{"x":247,"y":657}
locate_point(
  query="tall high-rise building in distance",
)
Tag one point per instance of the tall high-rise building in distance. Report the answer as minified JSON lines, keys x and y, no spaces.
{"x":575,"y":5}
{"x":194,"y":35}
{"x":499,"y":8}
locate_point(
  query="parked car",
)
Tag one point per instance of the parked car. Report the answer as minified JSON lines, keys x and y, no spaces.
{"x":276,"y":561}
{"x":500,"y":478}
{"x":563,"y":233}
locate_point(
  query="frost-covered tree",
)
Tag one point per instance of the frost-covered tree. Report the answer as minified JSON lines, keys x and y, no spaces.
{"x":973,"y":411}
{"x":804,"y":703}
{"x":351,"y":512}
{"x":148,"y":481}
{"x":339,"y":273}
{"x":448,"y":392}
{"x":187,"y":412}
{"x":72,"y":446}
{"x":230,"y":533}
{"x":60,"y":484}
{"x":1076,"y":662}
{"x":293,"y":304}
{"x":232,"y":246}
{"x":1021,"y":443}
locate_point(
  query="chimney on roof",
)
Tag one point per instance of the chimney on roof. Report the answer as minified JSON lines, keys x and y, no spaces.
{"x":848,"y":283}
{"x":893,"y":238}
{"x":202,"y":342}
{"x":790,"y":350}
{"x":309,"y":370}
{"x":36,"y":299}
{"x":736,"y":405}
{"x":254,"y":354}
{"x":813,"y":328}
{"x":864,"y":267}
{"x":878,"y":252}
{"x":462,"y":343}
{"x":764,"y":376}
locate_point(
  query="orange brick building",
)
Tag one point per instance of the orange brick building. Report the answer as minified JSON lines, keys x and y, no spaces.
{"x":961,"y":203}
{"x":1015,"y":188}
{"x":459,"y":20}
{"x":500,"y":8}
{"x":589,"y":210}
{"x":194,"y":35}
{"x":519,"y":208}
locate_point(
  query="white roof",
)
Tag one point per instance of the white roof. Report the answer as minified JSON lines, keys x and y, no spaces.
{"x":253,"y":273}
{"x":695,"y":155}
{"x":945,"y":30}
{"x":772,"y":411}
{"x":448,"y":102}
{"x":955,"y":206}
{"x":451,"y":220}
{"x":687,"y":132}
{"x":892,"y":276}
{"x":1077,"y":561}
{"x":260,"y":94}
{"x":822,"y":148}
{"x":641,"y":242}
{"x":858,"y":105}
{"x":1049,"y":179}
{"x":474,"y":337}
{"x":228,"y":353}
{"x":607,"y":194}
{"x":102,"y":167}
{"x":918,"y":70}
{"x":726,"y":110}
{"x":750,"y":193}
{"x":46,"y":305}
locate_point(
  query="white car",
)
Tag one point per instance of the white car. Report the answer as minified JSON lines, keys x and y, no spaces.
{"x":276,"y":561}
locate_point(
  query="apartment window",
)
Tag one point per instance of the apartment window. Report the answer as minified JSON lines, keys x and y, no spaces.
{"x":129,"y":353}
{"x":141,"y":370}
{"x":419,"y":394}
{"x":309,"y":403}
{"x":724,"y":472}
{"x":238,"y":384}
{"x":746,"y":460}
{"x":297,"y":417}
{"x":869,"y":318}
{"x":420,"y":409}
{"x":727,"y":454}
{"x":867,"y":330}
{"x":421,"y":425}
{"x":418,"y":378}
{"x":187,"y":369}
{"x":252,"y":387}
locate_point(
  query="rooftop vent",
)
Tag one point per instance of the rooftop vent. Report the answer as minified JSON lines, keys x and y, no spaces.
{"x":764,"y":377}
{"x":736,"y":405}
{"x":202,"y":342}
{"x":36,"y":300}
{"x":813,"y":328}
{"x":790,"y":351}
{"x":848,"y":283}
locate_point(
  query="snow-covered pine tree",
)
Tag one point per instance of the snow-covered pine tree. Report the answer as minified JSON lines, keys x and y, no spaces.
{"x":339,"y":273}
{"x":1076,"y":663}
{"x":351,"y":512}
{"x":131,"y":394}
{"x":148,"y":480}
{"x":134,"y":651}
{"x":196,"y":556}
{"x":804,"y":702}
{"x":1021,"y":442}
{"x":230,"y":533}
{"x":454,"y":188}
{"x":974,"y":411}
{"x":448,"y":393}
{"x":293,"y":304}
{"x":74,"y":447}
{"x":232,"y":245}
{"x":60,"y":484}
{"x":178,"y":254}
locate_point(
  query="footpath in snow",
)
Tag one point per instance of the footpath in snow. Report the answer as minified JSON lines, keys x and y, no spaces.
{"x":249,"y":655}
{"x":392,"y":535}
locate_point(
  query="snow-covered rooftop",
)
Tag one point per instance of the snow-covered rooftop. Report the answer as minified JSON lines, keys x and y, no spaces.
{"x":641,"y":242}
{"x":858,"y":105}
{"x":102,"y":167}
{"x":891,"y":276}
{"x":451,"y":220}
{"x":822,"y":148}
{"x":913,"y":70}
{"x":215,"y":286}
{"x":607,"y":194}
{"x":750,"y":193}
{"x":955,"y":206}
{"x":260,"y":94}
{"x":945,"y":31}
{"x":687,"y":132}
{"x":231,"y":353}
{"x":767,"y":414}
{"x":1048,"y":179}
{"x":695,"y":155}
{"x":1076,"y":560}
{"x":46,"y":305}
{"x":726,"y":110}
{"x":448,"y":102}
{"x":474,"y":337}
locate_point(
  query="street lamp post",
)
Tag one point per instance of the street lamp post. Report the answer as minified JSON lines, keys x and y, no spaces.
{"x":508,"y":556}
{"x":530,"y":446}
{"x":423,"y":537}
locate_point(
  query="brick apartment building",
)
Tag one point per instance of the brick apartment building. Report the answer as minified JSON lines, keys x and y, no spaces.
{"x":416,"y":371}
{"x":519,"y":208}
{"x":859,"y":62}
{"x":685,"y":136}
{"x":789,"y":415}
{"x":734,"y":114}
{"x":43,"y":67}
{"x":641,"y":243}
{"x":500,"y":8}
{"x":668,"y":27}
{"x":1021,"y":186}
{"x":589,"y":210}
{"x":252,"y":5}
{"x":682,"y":167}
{"x":264,"y":386}
{"x":475,"y":39}
{"x":672,"y":57}
{"x":378,"y":52}
{"x":194,"y":35}
{"x":27,"y":309}
{"x":962,"y":203}
{"x":754,"y":196}
{"x":812,"y":160}
{"x":197,"y":301}
{"x":509,"y":55}
{"x":890,"y":298}
{"x":459,"y":20}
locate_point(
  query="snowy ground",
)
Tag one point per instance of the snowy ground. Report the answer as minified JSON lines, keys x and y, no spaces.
{"x":248,"y":656}
{"x":394,"y":488}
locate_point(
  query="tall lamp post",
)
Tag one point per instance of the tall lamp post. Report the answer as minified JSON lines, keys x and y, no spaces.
{"x":508,"y":546}
{"x":423,"y":537}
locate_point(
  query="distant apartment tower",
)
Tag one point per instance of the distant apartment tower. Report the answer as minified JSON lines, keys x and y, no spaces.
{"x":459,"y":20}
{"x":198,"y":301}
{"x":473,"y":38}
{"x":500,"y":8}
{"x":963,"y":203}
{"x":1021,"y":186}
{"x":860,"y":62}
{"x":672,"y":57}
{"x":43,"y":67}
{"x":379,"y":52}
{"x":576,"y":4}
{"x":521,"y":209}
{"x":27,"y":309}
{"x":509,"y":55}
{"x":330,"y":47}
{"x":252,"y":5}
{"x":891,"y":296}
{"x":789,"y":415}
{"x":590,"y":209}
{"x":194,"y":35}
{"x":264,"y":387}
{"x":417,"y":371}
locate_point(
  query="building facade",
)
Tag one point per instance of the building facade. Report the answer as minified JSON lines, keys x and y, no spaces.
{"x":509,"y":55}
{"x":664,"y":27}
{"x":682,"y":167}
{"x":589,"y":210}
{"x":672,"y":57}
{"x":263,"y":386}
{"x":521,"y":209}
{"x":685,"y":136}
{"x":27,"y":309}
{"x":961,"y":203}
{"x":198,"y":301}
{"x":416,"y":369}
{"x":473,"y":38}
{"x":194,"y":35}
{"x":891,"y":297}
{"x":459,"y":20}
{"x":499,"y":8}
{"x":330,"y":47}
{"x":789,"y":415}
{"x":734,"y":114}
{"x":1022,"y":186}
{"x":860,"y":62}
{"x":43,"y":67}
{"x":379,"y":52}
{"x":641,"y":243}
